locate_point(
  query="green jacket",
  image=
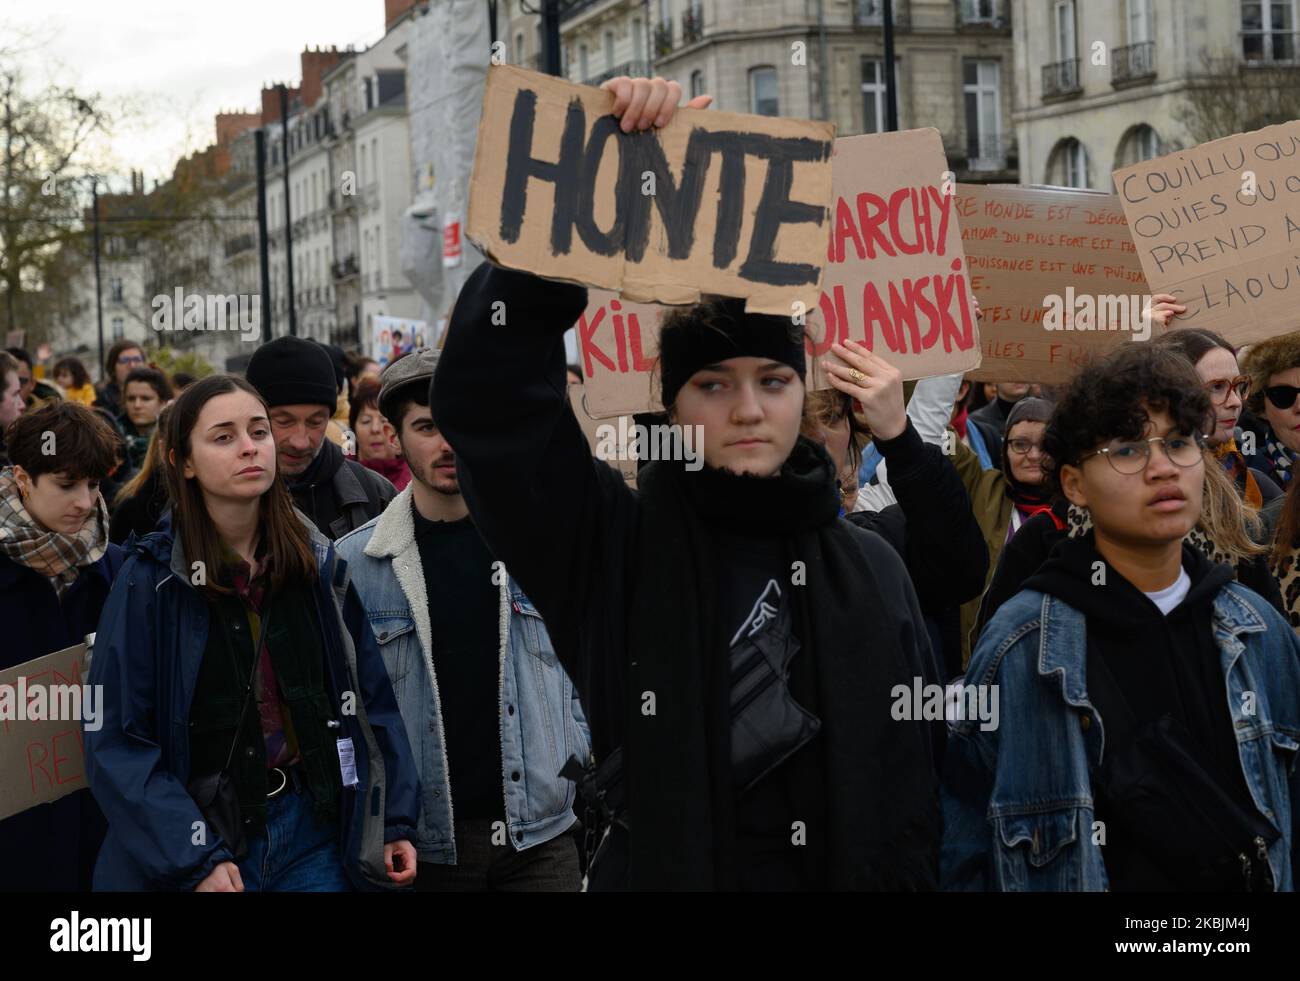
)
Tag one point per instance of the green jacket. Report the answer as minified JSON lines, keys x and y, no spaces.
{"x":992,"y":507}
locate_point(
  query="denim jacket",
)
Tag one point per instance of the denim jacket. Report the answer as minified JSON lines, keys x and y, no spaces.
{"x":541,"y":721}
{"x":1017,"y":800}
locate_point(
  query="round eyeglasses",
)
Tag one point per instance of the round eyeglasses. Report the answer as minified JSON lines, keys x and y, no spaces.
{"x":1131,"y":456}
{"x":1220,"y":387}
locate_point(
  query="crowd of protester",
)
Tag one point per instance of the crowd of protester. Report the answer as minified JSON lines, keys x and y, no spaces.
{"x":329,"y":601}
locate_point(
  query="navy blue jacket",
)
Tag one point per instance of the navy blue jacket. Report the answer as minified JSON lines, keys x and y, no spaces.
{"x":50,"y":846}
{"x":150,"y":644}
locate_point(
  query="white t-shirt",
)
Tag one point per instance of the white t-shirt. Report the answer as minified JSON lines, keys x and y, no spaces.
{"x":1168,"y":598}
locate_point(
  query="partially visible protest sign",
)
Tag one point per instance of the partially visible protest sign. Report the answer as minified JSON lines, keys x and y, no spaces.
{"x":41,"y":703}
{"x":1057,"y":277}
{"x":714,"y":202}
{"x":896,"y":275}
{"x":614,"y":432}
{"x":391,"y":337}
{"x":1218,"y":226}
{"x":618,"y":343}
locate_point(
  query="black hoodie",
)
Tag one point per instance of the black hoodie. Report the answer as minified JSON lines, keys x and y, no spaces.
{"x":1162,"y":665}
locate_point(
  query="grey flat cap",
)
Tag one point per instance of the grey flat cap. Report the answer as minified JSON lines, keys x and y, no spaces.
{"x":416,"y":368}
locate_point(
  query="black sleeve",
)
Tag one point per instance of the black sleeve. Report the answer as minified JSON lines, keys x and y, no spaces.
{"x":1020,"y":559}
{"x":944,"y":547}
{"x":1254,"y":574}
{"x":544,"y":505}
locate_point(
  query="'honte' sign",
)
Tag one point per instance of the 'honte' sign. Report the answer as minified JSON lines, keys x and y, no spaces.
{"x":713,"y":202}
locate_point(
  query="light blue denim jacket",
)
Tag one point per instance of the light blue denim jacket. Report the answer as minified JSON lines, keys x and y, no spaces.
{"x":1017,"y":800}
{"x":541,"y":720}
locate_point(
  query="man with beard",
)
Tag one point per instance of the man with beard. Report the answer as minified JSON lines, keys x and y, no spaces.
{"x":489,"y":711}
{"x":296,"y":378}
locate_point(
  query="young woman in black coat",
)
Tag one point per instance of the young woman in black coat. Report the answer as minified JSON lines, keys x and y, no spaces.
{"x":737,"y":645}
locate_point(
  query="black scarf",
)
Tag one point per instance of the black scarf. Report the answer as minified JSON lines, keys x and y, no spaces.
{"x":321,"y":469}
{"x":681,"y":801}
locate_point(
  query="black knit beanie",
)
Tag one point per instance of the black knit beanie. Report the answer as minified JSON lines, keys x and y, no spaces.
{"x":718,"y":329}
{"x":293,"y":371}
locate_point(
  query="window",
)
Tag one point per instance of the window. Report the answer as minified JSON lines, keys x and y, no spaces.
{"x":119,"y":328}
{"x":582,"y":62}
{"x":638,"y":39}
{"x":978,"y":11}
{"x":1267,"y":30}
{"x":361,"y":170}
{"x":1069,"y":164}
{"x":609,"y":50}
{"x":519,"y":48}
{"x":1063,"y":18}
{"x":1139,"y":21}
{"x":871,"y":12}
{"x":115,"y":289}
{"x":874,"y":113}
{"x":697,"y":83}
{"x":983,"y":115}
{"x":374,"y":158}
{"x":763,"y":99}
{"x":1138,"y":144}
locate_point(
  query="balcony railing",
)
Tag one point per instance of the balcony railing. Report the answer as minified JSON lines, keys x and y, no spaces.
{"x":1061,"y":79}
{"x":692,"y":24}
{"x":871,"y":13}
{"x":663,"y":39}
{"x":1269,"y":47}
{"x":238,"y":244}
{"x":986,"y":151}
{"x":980,"y":13}
{"x":575,"y":7}
{"x":633,"y":69}
{"x":1133,"y":63}
{"x":345,"y":268}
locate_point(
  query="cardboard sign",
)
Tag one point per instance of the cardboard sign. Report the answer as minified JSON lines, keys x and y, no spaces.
{"x":618,"y":344}
{"x":896,"y":275}
{"x":591,"y":428}
{"x":41,"y":759}
{"x":1025,"y":244}
{"x":714,"y":202}
{"x":1218,"y":226}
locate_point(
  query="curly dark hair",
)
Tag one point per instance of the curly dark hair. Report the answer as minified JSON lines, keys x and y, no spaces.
{"x":1110,"y":399}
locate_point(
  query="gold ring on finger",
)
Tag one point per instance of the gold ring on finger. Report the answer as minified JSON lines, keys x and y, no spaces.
{"x":857,"y":375}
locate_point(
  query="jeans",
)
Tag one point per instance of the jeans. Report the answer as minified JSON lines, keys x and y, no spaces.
{"x":485,"y":866}
{"x":295,"y":852}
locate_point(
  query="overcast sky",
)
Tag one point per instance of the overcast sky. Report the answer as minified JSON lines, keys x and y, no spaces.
{"x":178,"y":61}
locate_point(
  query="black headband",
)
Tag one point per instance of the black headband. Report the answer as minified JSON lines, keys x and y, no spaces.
{"x":729,"y":333}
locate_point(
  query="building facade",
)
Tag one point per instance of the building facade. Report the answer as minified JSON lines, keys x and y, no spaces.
{"x":954,"y":62}
{"x":1105,"y":85}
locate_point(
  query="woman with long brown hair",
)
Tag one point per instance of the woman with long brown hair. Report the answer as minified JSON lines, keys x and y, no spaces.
{"x":227,"y":763}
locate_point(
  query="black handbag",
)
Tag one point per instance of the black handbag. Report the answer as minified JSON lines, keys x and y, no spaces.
{"x":215,"y":793}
